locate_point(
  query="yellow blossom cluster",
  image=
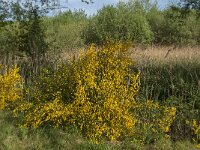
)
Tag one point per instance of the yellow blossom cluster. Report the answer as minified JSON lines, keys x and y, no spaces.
{"x":10,"y":86}
{"x":153,"y":120}
{"x":103,"y":97}
{"x":195,"y":125}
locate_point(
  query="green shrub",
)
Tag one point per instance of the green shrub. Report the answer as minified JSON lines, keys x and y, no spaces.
{"x":63,"y":31}
{"x":124,"y":22}
{"x":179,"y":27}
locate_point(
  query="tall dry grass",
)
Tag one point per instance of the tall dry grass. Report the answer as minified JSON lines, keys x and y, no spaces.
{"x":165,"y":54}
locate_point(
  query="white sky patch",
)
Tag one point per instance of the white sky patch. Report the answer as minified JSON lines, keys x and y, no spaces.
{"x":92,"y":8}
{"x":89,"y":9}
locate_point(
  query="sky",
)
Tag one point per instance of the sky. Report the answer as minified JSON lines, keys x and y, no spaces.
{"x":98,"y":4}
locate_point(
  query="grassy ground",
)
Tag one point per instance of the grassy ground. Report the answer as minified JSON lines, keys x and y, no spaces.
{"x":15,"y":138}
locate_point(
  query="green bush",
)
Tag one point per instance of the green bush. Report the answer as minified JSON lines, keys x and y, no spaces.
{"x":156,"y":20}
{"x":63,"y":31}
{"x":179,"y":27}
{"x":124,"y":22}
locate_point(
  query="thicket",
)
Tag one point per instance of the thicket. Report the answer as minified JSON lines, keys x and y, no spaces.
{"x":142,"y":22}
{"x":22,"y":39}
{"x":179,"y":27}
{"x":63,"y":31}
{"x":124,"y":22}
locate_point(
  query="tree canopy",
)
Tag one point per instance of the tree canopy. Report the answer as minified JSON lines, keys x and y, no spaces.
{"x":191,"y":4}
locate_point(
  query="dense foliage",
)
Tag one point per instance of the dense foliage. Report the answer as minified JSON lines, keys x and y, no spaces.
{"x":125,"y":22}
{"x":64,"y":30}
{"x":143,"y":23}
{"x":100,"y":91}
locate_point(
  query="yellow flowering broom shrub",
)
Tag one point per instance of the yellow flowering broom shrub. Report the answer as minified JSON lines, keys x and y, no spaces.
{"x":94,"y":92}
{"x":10,"y":86}
{"x":153,"y":120}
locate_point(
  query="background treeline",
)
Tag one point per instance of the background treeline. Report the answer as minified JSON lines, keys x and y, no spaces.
{"x":140,"y":22}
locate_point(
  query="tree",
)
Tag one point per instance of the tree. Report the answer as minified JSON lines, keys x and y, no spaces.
{"x":3,"y":10}
{"x":24,"y":35}
{"x":191,"y":4}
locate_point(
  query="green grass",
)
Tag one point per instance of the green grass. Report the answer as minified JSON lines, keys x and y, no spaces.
{"x":15,"y":138}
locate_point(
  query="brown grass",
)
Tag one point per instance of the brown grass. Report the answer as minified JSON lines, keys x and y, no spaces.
{"x":151,"y":55}
{"x":165,"y":54}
